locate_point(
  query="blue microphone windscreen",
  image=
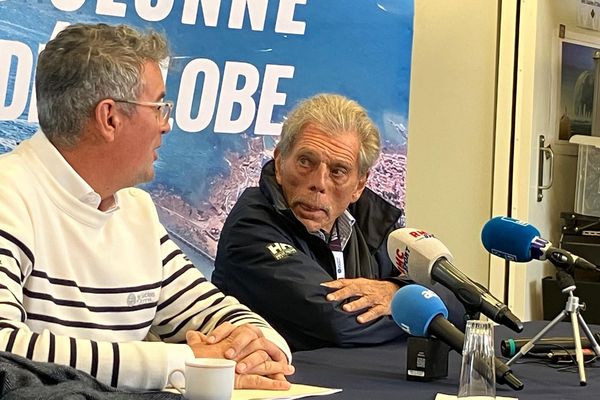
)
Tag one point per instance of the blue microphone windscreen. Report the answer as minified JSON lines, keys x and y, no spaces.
{"x":414,"y":307}
{"x":509,"y":238}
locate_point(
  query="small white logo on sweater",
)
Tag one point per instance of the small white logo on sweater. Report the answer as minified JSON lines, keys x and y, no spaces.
{"x":281,"y":250}
{"x":141,"y":298}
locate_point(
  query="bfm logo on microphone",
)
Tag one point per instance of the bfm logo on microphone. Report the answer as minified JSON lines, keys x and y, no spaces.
{"x":402,"y":260}
{"x":420,"y":234}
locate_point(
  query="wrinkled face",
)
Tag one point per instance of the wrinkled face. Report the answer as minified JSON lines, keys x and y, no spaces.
{"x":142,"y":131}
{"x":320,"y":176}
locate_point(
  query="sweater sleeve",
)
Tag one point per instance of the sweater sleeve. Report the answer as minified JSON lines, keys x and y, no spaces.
{"x":186,"y":301}
{"x":189,"y":301}
{"x":128,"y":365}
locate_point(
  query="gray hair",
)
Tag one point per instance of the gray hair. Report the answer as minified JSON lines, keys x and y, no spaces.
{"x":87,"y":63}
{"x":336,"y":115}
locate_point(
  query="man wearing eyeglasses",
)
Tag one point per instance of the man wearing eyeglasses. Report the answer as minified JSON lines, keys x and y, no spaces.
{"x":88,"y":275}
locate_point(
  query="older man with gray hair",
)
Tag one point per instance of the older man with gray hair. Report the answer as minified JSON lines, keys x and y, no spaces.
{"x":307,"y":248}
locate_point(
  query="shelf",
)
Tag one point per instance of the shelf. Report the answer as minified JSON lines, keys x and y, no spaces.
{"x":586,"y":140}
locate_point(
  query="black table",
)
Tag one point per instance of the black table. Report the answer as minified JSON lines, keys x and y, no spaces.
{"x":379,"y":372}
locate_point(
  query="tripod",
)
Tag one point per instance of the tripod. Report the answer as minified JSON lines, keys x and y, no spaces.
{"x":572,"y":308}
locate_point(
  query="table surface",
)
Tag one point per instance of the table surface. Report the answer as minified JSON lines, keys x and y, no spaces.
{"x":379,"y":372}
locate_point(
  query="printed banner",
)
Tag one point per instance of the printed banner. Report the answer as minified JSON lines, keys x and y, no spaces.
{"x":237,"y":68}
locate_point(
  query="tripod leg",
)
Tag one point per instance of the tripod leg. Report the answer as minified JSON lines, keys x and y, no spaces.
{"x":589,"y":335}
{"x":578,"y":351}
{"x":529,"y":345}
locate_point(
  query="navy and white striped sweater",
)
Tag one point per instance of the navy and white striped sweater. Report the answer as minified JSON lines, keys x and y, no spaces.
{"x":105,"y":292}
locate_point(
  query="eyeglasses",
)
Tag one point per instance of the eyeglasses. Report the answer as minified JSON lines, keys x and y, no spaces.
{"x":164,"y":107}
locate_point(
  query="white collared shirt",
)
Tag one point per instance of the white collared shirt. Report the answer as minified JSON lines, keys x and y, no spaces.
{"x":66,"y":175}
{"x":345,"y":222}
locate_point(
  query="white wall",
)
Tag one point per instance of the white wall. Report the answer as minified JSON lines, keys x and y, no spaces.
{"x":451,"y":126}
{"x":536,"y":114}
{"x":460,"y":123}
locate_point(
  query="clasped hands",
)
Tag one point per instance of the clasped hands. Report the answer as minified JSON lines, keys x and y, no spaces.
{"x":260,"y":363}
{"x":373,"y":296}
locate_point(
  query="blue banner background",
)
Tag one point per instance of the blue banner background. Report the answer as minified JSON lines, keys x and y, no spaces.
{"x":359,"y":48}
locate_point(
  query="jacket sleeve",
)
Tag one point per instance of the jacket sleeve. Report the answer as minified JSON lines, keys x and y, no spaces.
{"x":259,"y":263}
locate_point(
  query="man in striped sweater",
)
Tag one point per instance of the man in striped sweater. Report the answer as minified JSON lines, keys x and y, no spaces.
{"x":88,"y":275}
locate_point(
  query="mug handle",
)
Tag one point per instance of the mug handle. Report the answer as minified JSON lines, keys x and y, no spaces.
{"x":180,"y":390}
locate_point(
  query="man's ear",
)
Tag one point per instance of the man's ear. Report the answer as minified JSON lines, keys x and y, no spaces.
{"x":360,"y":186}
{"x":278,"y":161}
{"x":107,"y":119}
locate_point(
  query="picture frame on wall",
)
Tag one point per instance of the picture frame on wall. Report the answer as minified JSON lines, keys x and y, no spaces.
{"x":577,"y":77}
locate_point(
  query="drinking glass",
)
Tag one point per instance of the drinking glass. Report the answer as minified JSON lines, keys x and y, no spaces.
{"x":478,"y":372}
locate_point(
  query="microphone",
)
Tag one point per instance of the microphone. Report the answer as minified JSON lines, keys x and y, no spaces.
{"x":420,"y":312}
{"x":426,"y":260}
{"x":519,"y":241}
{"x":510,"y":347}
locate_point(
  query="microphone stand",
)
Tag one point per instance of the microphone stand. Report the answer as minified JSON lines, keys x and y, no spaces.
{"x":572,"y":308}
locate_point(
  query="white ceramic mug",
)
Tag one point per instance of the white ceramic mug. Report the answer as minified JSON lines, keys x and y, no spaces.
{"x":206,"y":379}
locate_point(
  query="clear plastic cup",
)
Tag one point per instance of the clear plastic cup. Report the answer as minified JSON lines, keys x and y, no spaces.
{"x":478,"y":372}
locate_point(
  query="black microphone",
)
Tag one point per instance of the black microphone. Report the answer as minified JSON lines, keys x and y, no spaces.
{"x":510,"y":347}
{"x":426,"y":259}
{"x":420,"y":312}
{"x":519,"y":241}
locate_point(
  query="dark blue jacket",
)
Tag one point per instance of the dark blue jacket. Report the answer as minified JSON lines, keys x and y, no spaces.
{"x":271,"y":263}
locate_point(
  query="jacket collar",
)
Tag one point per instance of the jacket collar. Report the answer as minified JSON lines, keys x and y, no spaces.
{"x":270,"y":188}
{"x":64,"y":174}
{"x":374,"y":216}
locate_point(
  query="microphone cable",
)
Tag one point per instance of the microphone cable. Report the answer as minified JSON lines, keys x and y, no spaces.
{"x":544,"y":358}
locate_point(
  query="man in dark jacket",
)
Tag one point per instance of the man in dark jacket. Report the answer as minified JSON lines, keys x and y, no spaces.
{"x":307,"y":248}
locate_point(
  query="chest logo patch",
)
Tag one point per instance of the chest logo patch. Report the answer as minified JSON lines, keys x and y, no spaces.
{"x":141,"y":298}
{"x":279,"y":251}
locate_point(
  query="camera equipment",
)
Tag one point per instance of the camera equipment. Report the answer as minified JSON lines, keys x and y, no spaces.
{"x":572,"y":308}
